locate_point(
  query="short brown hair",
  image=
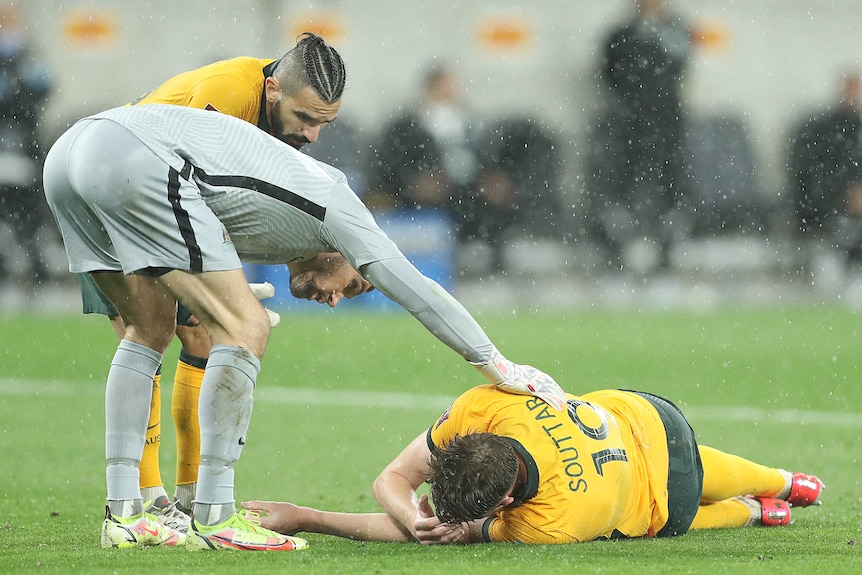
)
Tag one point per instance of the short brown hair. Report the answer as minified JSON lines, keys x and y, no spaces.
{"x":471,"y":475}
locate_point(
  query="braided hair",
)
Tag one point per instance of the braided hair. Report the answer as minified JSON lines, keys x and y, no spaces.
{"x":312,"y":62}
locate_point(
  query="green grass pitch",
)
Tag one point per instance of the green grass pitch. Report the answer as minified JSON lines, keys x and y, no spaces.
{"x":342,"y":391}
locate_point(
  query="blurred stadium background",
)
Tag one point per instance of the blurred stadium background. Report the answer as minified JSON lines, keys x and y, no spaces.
{"x":763,"y":64}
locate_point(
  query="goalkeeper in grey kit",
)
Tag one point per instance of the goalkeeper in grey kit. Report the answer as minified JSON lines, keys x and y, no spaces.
{"x":162,"y":204}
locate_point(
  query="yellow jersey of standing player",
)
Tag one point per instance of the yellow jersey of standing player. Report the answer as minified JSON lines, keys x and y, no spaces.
{"x":234,"y":87}
{"x":597,"y":470}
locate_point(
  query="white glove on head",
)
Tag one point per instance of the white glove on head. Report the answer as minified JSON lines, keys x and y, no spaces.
{"x":522,"y":379}
{"x":264,"y":291}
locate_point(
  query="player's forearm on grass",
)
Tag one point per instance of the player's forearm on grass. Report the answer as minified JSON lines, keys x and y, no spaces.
{"x":474,"y":532}
{"x":398,"y":499}
{"x":358,"y":526}
{"x":395,"y":487}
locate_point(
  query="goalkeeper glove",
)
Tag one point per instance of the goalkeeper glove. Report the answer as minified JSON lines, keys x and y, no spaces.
{"x":264,"y":291}
{"x":522,"y":379}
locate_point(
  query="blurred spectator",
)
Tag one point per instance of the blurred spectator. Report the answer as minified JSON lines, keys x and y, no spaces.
{"x":724,"y":193}
{"x":426,"y":157}
{"x":344,"y":147}
{"x":639,"y":183}
{"x":493,"y":183}
{"x":24,"y":87}
{"x":825,"y":165}
{"x":515,"y":195}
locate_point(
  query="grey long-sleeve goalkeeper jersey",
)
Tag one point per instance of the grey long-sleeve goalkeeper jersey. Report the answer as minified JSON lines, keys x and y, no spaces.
{"x":279,"y":205}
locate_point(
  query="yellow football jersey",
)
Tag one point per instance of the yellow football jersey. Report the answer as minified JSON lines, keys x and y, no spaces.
{"x":234,"y":87}
{"x":597,"y":470}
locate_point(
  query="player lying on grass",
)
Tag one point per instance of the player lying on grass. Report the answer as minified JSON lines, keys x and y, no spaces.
{"x":162,"y":204}
{"x":504,"y":467}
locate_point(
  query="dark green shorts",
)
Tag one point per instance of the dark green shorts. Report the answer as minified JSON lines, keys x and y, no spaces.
{"x":94,"y":301}
{"x":685,"y":473}
{"x":92,"y":298}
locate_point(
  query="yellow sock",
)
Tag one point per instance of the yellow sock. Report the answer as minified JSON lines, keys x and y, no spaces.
{"x":150,"y":474}
{"x":726,"y":476}
{"x":721,"y":515}
{"x":184,"y":407}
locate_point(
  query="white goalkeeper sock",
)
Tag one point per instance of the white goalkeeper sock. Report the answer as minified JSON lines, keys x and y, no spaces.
{"x":128,"y":392}
{"x":224,"y":410}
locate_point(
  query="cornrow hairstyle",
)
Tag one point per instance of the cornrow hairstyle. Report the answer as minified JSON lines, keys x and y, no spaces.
{"x":312,"y":62}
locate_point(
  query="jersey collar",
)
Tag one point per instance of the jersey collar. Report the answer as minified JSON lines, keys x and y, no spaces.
{"x":530,"y":487}
{"x":262,"y":120}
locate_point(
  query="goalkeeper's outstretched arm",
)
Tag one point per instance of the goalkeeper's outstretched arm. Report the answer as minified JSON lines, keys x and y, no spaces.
{"x":452,"y":324}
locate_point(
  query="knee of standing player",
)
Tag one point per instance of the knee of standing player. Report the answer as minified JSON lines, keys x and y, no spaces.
{"x":255,"y":330}
{"x":156,"y":334}
{"x":195,"y":340}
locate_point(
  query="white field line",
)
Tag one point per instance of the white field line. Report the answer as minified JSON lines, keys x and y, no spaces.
{"x":437,"y":403}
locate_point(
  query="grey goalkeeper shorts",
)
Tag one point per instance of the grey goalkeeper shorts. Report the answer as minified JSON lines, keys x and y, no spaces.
{"x":120,"y":208}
